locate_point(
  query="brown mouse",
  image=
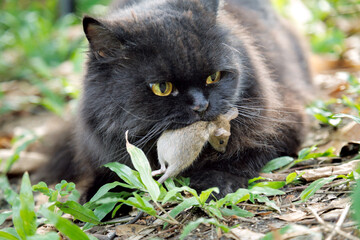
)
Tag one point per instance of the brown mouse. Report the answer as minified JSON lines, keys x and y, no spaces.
{"x":179,"y":148}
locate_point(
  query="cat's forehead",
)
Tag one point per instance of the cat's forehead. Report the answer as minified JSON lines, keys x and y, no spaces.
{"x":177,"y":39}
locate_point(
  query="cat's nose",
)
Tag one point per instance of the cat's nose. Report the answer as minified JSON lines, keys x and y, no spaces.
{"x":200,"y":104}
{"x":200,"y":107}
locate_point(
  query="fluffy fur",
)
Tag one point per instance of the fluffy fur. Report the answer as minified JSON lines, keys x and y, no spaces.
{"x":264,"y":74}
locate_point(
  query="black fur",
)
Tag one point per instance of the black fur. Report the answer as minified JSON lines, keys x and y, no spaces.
{"x":183,"y":42}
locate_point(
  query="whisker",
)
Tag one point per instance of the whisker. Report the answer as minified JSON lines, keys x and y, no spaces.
{"x":132,"y":114}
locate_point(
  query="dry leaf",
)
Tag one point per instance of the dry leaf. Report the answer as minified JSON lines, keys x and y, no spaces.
{"x":314,"y":174}
{"x":295,"y":216}
{"x":333,"y":215}
{"x":245,"y":234}
{"x":46,"y":228}
{"x":133,"y":231}
{"x":349,"y":133}
{"x":5,"y":141}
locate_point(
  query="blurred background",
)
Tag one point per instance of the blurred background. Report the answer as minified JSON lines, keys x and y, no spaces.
{"x":42,"y":47}
{"x":42,"y":52}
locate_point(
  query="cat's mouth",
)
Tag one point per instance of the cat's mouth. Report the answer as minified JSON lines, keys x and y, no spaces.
{"x":176,"y":123}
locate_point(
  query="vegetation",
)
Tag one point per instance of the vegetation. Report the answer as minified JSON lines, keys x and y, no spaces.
{"x":35,"y":43}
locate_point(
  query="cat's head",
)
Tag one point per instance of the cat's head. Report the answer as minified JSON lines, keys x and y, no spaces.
{"x":158,"y":65}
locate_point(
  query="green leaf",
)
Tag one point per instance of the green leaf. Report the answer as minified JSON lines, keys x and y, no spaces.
{"x":4,"y":216}
{"x":126,"y":174}
{"x":24,"y":217}
{"x":172,"y":193}
{"x":187,"y":203}
{"x":212,"y":211}
{"x":9,"y":194}
{"x":274,"y":184}
{"x":43,"y":188}
{"x":66,"y":227}
{"x":314,"y":186}
{"x":256,"y":179}
{"x":11,"y":231}
{"x":23,"y":145}
{"x":266,"y":191}
{"x":169,"y":183}
{"x":236,"y":211}
{"x":356,"y":202}
{"x":193,"y":225}
{"x":291,"y":177}
{"x":100,"y":212}
{"x":305,"y":152}
{"x":7,"y":236}
{"x":176,"y":190}
{"x":354,"y":118}
{"x":48,"y":236}
{"x":78,"y":211}
{"x":276,"y":164}
{"x":311,"y":155}
{"x":65,"y":188}
{"x":268,"y":202}
{"x":205,"y":194}
{"x":104,"y":189}
{"x":234,"y":198}
{"x":141,"y":204}
{"x":141,"y":164}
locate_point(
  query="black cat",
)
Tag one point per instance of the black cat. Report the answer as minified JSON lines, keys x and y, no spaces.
{"x":157,"y":65}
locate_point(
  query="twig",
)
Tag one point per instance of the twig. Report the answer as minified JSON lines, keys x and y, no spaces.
{"x":116,"y":221}
{"x":255,"y":205}
{"x":339,"y":183}
{"x":330,"y":227}
{"x":171,"y":220}
{"x":293,"y":235}
{"x":339,"y":222}
{"x":166,"y":231}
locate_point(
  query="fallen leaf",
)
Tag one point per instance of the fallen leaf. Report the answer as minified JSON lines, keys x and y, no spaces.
{"x":295,"y":216}
{"x":343,"y":169}
{"x":348,"y":133}
{"x":245,"y":234}
{"x":5,"y":141}
{"x":46,"y":228}
{"x":133,"y":231}
{"x":332,"y":215}
{"x":274,"y":176}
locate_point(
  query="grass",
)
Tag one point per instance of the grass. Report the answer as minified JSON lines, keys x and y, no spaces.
{"x":147,"y":195}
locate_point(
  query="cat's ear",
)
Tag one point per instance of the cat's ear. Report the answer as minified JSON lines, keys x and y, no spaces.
{"x":211,"y":5}
{"x":101,"y":39}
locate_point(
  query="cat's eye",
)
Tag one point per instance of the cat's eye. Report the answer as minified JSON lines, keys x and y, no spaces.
{"x":162,"y":89}
{"x":214,"y":78}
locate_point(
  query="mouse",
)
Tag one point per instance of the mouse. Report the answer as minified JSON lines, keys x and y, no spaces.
{"x":178,"y":149}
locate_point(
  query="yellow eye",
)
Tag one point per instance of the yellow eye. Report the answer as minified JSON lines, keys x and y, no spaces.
{"x":162,"y":89}
{"x":214,"y":78}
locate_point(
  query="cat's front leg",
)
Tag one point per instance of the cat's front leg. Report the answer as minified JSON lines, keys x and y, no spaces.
{"x":228,"y":173}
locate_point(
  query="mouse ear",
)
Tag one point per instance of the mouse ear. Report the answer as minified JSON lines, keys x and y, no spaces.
{"x":221,"y":132}
{"x":231,"y":114}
